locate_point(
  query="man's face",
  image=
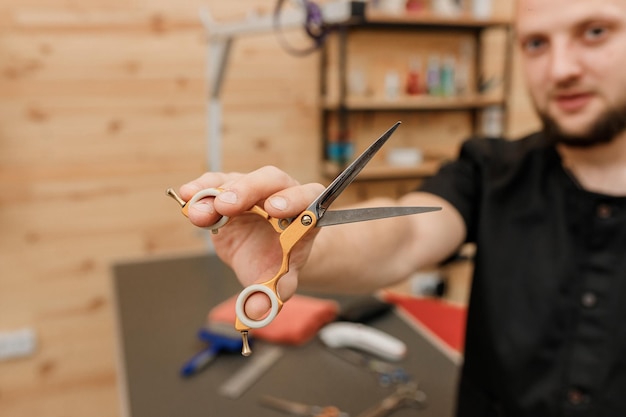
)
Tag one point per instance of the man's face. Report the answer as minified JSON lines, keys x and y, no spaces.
{"x":574,"y":60}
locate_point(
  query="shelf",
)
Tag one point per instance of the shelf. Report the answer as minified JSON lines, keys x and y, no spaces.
{"x":426,"y":19}
{"x":387,"y":172}
{"x":422,"y":102}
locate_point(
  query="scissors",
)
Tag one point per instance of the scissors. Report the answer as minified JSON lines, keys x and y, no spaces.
{"x":291,"y":231}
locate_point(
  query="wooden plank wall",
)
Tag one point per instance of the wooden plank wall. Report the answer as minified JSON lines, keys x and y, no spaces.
{"x":102,"y":107}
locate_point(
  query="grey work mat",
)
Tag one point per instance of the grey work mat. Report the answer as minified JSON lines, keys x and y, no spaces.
{"x":161,"y":304}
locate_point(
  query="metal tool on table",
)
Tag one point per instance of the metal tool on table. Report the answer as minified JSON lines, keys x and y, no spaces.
{"x":291,"y":231}
{"x":251,"y":371}
{"x":407,"y":395}
{"x":295,"y":408}
{"x":387,"y":373}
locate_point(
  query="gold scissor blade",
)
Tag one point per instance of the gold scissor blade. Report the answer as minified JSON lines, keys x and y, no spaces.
{"x":371,"y":213}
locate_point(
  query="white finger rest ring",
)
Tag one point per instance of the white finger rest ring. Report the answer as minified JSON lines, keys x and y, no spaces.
{"x":209,"y":192}
{"x":241,"y":302}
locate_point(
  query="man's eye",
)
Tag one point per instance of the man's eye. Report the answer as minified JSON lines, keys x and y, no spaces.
{"x":533,"y":45}
{"x":595,"y":33}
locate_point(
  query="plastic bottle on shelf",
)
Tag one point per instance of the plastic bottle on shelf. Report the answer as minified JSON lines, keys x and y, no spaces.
{"x":493,"y":121}
{"x":415,"y":6}
{"x":392,"y":85}
{"x":340,"y":150}
{"x":392,"y":7}
{"x":462,"y":75}
{"x":448,"y":83}
{"x":414,"y":78}
{"x":481,"y":9}
{"x":447,"y":8}
{"x":433,"y":76}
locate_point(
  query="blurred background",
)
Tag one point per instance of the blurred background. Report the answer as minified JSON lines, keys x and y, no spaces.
{"x":104,"y":105}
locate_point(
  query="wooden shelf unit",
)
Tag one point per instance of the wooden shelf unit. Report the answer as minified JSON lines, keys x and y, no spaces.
{"x":339,"y":107}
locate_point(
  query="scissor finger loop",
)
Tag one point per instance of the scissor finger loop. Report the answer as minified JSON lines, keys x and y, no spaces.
{"x":209,"y":192}
{"x":267,"y":288}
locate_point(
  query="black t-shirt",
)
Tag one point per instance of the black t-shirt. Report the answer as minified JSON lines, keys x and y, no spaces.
{"x":546,"y":330}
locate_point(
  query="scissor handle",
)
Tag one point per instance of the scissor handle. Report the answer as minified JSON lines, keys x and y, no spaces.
{"x":208,"y":192}
{"x":276,"y":304}
{"x":277,"y":224}
{"x":290,"y":231}
{"x":268,"y":288}
{"x":289,"y":237}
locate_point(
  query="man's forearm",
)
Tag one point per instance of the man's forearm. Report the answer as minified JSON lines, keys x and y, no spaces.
{"x":365,"y":256}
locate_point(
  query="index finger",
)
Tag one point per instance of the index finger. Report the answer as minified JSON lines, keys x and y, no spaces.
{"x":254,"y":189}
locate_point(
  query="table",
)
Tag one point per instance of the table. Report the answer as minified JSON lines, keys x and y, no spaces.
{"x":161,"y":304}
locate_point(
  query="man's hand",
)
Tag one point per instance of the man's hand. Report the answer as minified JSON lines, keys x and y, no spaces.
{"x":248,"y":243}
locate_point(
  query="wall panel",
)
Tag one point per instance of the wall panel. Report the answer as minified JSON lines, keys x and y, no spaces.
{"x":102,"y":107}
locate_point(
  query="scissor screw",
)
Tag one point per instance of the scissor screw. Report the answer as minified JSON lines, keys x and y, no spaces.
{"x":306,"y":220}
{"x":175,"y":196}
{"x":245,"y":351}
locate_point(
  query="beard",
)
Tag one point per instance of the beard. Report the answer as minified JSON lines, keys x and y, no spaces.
{"x":605,"y":128}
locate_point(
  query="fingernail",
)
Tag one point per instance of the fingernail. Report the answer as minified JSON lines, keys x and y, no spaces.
{"x":279,"y":203}
{"x":204,"y":207}
{"x":228,"y":197}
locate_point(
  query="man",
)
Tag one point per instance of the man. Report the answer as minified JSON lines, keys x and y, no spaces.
{"x":546,"y":333}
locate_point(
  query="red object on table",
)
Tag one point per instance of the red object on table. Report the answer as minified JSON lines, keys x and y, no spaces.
{"x":445,"y":320}
{"x":299,"y":320}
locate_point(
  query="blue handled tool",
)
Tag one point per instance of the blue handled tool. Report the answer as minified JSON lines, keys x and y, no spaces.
{"x":219,"y":341}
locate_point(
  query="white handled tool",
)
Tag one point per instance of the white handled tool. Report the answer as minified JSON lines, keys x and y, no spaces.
{"x":363,"y":337}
